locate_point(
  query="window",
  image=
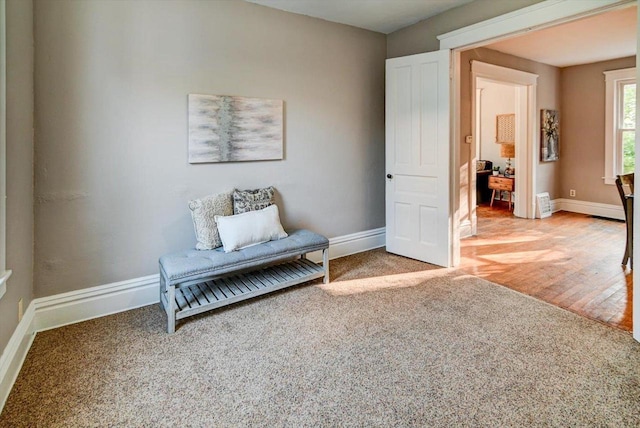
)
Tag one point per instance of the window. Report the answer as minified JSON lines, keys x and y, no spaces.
{"x":620,"y":110}
{"x":627,"y":125}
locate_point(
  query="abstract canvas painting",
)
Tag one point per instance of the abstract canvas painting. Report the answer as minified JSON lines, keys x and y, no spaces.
{"x":231,"y":129}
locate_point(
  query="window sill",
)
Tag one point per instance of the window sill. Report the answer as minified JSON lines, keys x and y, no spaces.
{"x":3,"y":282}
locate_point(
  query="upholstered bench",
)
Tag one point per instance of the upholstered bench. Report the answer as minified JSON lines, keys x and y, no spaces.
{"x":196,"y":281}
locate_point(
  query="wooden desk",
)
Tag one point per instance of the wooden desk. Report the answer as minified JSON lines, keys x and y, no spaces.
{"x":501,"y":183}
{"x":483,"y":193}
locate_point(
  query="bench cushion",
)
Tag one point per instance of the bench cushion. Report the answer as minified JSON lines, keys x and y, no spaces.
{"x":194,"y":264}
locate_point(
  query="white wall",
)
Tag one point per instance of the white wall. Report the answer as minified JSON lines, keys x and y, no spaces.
{"x":112,"y":78}
{"x":495,"y":99}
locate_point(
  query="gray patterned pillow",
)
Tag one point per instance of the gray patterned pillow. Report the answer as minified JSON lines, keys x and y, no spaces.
{"x":252,"y":200}
{"x":203,"y":212}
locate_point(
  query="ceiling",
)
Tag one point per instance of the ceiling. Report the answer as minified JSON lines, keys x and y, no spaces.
{"x":383,"y":16}
{"x":598,"y":38}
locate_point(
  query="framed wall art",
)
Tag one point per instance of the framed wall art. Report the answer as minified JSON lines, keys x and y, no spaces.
{"x":506,"y":128}
{"x":231,"y":129}
{"x":549,"y":135}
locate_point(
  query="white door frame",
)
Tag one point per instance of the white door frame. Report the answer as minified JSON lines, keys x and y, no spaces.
{"x":525,"y":85}
{"x":540,"y":15}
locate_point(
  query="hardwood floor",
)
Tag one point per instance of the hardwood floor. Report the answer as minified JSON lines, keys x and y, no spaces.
{"x":569,"y":260}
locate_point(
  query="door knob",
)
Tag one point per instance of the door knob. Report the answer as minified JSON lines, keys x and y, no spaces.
{"x":389,"y":176}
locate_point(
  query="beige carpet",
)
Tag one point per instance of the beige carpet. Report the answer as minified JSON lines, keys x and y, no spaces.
{"x":388,"y":343}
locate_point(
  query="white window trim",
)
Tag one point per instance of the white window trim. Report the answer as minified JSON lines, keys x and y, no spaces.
{"x":4,"y":274}
{"x":613,"y":78}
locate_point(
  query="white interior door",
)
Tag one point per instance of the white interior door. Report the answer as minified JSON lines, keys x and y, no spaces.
{"x":418,"y":208}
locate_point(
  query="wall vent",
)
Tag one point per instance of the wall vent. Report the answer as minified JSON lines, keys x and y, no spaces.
{"x":543,"y":205}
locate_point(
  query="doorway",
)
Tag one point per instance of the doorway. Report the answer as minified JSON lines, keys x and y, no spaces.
{"x":545,"y":14}
{"x":504,"y":91}
{"x":495,"y":143}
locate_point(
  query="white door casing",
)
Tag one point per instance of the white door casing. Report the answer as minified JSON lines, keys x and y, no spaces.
{"x":525,"y":161}
{"x":418,"y":208}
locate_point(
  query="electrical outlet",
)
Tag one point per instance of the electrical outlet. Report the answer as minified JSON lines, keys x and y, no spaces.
{"x":468,"y":139}
{"x":572,"y":193}
{"x":20,"y":310}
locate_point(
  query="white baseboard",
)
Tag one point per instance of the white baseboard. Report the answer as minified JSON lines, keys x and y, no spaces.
{"x":14,"y":354}
{"x":465,"y":229}
{"x":75,"y":306}
{"x":345,"y":245}
{"x":81,"y":305}
{"x":590,"y":208}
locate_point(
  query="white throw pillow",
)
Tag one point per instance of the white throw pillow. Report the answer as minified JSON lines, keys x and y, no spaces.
{"x":250,"y":228}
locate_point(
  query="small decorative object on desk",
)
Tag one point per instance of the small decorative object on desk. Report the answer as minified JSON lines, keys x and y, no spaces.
{"x":507,"y":151}
{"x":496,"y":170}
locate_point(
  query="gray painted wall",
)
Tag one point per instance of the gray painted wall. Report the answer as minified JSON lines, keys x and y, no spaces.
{"x":111,"y":84}
{"x":422,"y":37}
{"x":582,"y":131}
{"x":19,"y":16}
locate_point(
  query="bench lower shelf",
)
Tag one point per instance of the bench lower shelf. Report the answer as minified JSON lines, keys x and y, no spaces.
{"x":222,"y":291}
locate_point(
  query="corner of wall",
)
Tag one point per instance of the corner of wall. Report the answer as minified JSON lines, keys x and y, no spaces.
{"x":19,"y":173}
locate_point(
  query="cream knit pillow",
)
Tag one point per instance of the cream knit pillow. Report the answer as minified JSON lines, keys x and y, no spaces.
{"x":203,"y":212}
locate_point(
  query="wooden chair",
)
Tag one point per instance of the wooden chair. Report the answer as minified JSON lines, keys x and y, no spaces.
{"x":624,"y":183}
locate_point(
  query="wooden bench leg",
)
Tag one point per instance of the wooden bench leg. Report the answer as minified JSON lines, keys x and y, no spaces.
{"x":325,"y":265}
{"x":171,"y":310}
{"x":162,"y":289}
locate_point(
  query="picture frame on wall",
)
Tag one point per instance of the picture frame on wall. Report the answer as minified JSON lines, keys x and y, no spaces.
{"x":506,"y":128}
{"x":225,"y":128}
{"x":549,"y":135}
